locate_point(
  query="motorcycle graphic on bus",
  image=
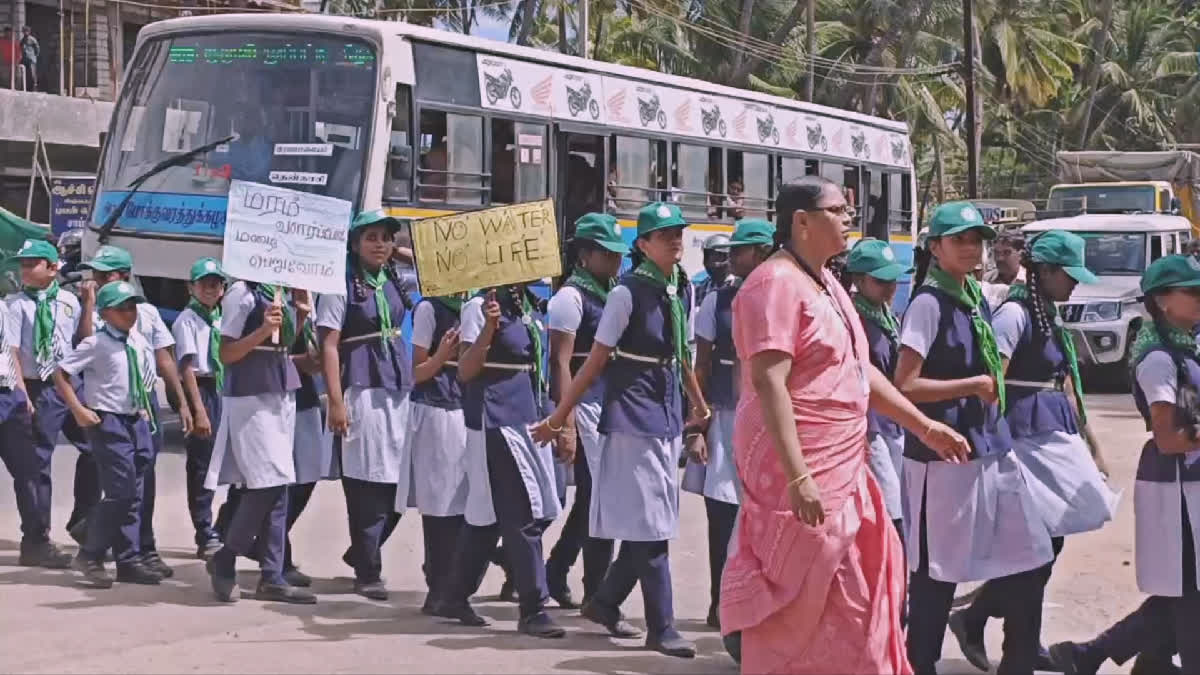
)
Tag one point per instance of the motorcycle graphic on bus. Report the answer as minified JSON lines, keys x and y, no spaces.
{"x":767,"y":129}
{"x":711,"y":119}
{"x":501,"y":86}
{"x":816,"y":137}
{"x":652,"y":110}
{"x":897,"y":149}
{"x":858,"y":145}
{"x":581,"y":99}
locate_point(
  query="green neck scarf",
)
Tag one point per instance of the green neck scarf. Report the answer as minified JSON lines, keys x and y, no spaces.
{"x":310,"y":336}
{"x":43,"y":321}
{"x":138,"y":386}
{"x":1020,"y":293}
{"x":648,"y":270}
{"x":880,"y":315}
{"x":211,"y":316}
{"x":378,"y":281}
{"x":970,"y":295}
{"x":1178,"y":340}
{"x":588,"y":282}
{"x":535,"y":337}
{"x":453,"y":303}
{"x":288,"y":332}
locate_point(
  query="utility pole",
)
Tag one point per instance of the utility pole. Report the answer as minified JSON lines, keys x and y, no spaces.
{"x":582,"y":29}
{"x":968,"y":12}
{"x":810,"y":37}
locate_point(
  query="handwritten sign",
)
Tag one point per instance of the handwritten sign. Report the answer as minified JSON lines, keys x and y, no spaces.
{"x":70,"y":201}
{"x":278,"y":236}
{"x":489,"y":247}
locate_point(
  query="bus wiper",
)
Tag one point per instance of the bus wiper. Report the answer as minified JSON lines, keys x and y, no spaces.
{"x":174,"y":160}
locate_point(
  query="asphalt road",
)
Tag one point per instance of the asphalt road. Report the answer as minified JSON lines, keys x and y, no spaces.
{"x":49,"y":623}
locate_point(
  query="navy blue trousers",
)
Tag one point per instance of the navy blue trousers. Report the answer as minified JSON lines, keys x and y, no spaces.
{"x":297,"y":499}
{"x":150,"y":487}
{"x":257,"y":530}
{"x":643,"y":562}
{"x":21,"y":460}
{"x":441,"y":534}
{"x":721,"y":516}
{"x":199,"y":453}
{"x":369,"y":509}
{"x":121,"y":446}
{"x":50,"y":417}
{"x":929,"y":602}
{"x":521,"y":533}
{"x":574,"y":539}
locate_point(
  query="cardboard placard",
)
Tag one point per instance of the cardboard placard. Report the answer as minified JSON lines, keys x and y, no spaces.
{"x":278,"y":236}
{"x":489,"y":247}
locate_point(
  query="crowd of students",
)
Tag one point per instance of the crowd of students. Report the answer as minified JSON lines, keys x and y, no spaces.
{"x":498,"y":401}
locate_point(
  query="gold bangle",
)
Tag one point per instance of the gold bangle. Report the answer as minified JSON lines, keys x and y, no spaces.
{"x":707,"y":414}
{"x":800,"y":479}
{"x":551,"y":427}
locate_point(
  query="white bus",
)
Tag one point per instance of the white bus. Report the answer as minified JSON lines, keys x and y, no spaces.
{"x":425,"y":122}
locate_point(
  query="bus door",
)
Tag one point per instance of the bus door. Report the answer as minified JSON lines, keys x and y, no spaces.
{"x":579,"y":189}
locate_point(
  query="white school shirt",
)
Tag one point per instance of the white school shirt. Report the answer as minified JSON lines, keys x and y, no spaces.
{"x":192,"y":335}
{"x":236,"y":307}
{"x":331,"y":312}
{"x":615,"y":318}
{"x":423,"y":324}
{"x":706,"y":318}
{"x":8,"y":375}
{"x":102,"y":361}
{"x":21,"y":312}
{"x":1008,"y":323}
{"x":1157,"y":376}
{"x":920,"y":325}
{"x":565,"y":310}
{"x":149,"y":323}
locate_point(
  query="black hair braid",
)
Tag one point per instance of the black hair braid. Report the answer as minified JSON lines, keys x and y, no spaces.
{"x":399,"y":286}
{"x":1033,"y":281}
{"x":923,"y":258}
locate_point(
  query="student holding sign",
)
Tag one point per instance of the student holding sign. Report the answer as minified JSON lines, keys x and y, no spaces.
{"x":646,"y":327}
{"x":256,"y":434}
{"x":575,"y":311}
{"x":368,"y":371}
{"x":511,"y":477}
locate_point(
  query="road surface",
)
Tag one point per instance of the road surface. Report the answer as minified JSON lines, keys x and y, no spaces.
{"x":48,"y":623}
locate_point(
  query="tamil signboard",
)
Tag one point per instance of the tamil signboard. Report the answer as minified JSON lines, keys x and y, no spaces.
{"x":70,"y":201}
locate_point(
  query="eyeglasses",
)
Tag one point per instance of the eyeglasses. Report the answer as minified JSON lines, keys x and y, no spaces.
{"x":837,"y":210}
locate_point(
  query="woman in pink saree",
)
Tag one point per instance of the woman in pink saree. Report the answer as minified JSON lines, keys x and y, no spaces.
{"x":815,"y":580}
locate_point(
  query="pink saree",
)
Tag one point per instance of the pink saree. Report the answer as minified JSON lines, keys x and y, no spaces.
{"x":810,"y":600}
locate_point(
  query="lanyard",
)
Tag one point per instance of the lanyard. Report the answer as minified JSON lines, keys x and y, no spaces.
{"x":828,"y":296}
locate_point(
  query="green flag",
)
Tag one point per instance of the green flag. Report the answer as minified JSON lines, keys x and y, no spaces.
{"x":14,"y":230}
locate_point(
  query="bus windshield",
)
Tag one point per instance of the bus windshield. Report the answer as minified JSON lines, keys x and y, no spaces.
{"x":1101,"y":198}
{"x":299,"y":106}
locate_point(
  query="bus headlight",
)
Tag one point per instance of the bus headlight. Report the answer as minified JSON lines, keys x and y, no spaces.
{"x":1101,"y":311}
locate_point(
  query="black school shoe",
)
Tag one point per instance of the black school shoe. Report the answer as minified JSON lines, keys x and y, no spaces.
{"x":208,"y":549}
{"x":154,"y":562}
{"x":540,"y":625}
{"x":225,"y":588}
{"x":1074,"y":659}
{"x":463,"y":613}
{"x":45,"y":554}
{"x":611,"y":619}
{"x":137,"y":572}
{"x":672,"y":643}
{"x":283,"y":593}
{"x":93,"y":572}
{"x":972,"y":646}
{"x":371,"y":590}
{"x":296,"y":578}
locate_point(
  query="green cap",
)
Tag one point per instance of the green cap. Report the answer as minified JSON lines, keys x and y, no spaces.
{"x":875,"y":258}
{"x":602,"y":229}
{"x":1064,"y":249}
{"x":659,"y":216}
{"x":1172,"y":271}
{"x":955,"y":217}
{"x":38,"y":248}
{"x":752,"y":232}
{"x":207,"y":267}
{"x":115,"y":293}
{"x":367,"y":218}
{"x":109,"y":258}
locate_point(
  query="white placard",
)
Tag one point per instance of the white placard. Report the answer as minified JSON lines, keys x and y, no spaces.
{"x":304,"y":149}
{"x":279,"y":236}
{"x":298,"y":178}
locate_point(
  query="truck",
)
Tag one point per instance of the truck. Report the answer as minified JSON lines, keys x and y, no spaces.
{"x":1166,"y":182}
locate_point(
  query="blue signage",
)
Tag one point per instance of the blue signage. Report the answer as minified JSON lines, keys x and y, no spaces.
{"x":166,"y":212}
{"x":70,"y":199}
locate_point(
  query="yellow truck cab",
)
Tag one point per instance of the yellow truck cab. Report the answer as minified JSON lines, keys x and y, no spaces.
{"x":1115,"y":182}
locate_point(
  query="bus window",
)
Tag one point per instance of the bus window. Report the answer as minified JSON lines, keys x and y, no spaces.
{"x":899,"y":203}
{"x":791,"y":168}
{"x":812,"y":167}
{"x":690,"y":180}
{"x":716,"y":182}
{"x":581,"y":171}
{"x":633,"y":174}
{"x":749,"y":185}
{"x":451,"y":164}
{"x":876,"y":217}
{"x":518,"y":162}
{"x":852,"y":186}
{"x":398,"y":183}
{"x":833,"y":171}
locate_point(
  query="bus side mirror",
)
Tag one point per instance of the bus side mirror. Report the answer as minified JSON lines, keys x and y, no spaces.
{"x":1176,"y":206}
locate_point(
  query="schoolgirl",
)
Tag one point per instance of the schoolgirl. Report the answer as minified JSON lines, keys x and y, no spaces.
{"x":1046,"y":416}
{"x":256,"y":434}
{"x":975,"y":520}
{"x":439,"y":439}
{"x":595,"y":254}
{"x":511,"y":492}
{"x":117,"y":366}
{"x":711,"y":472}
{"x":43,"y":324}
{"x":368,"y":372}
{"x":113,"y":263}
{"x":874,"y":271}
{"x":197,"y":333}
{"x":635,"y":496}
{"x":1166,"y":495}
